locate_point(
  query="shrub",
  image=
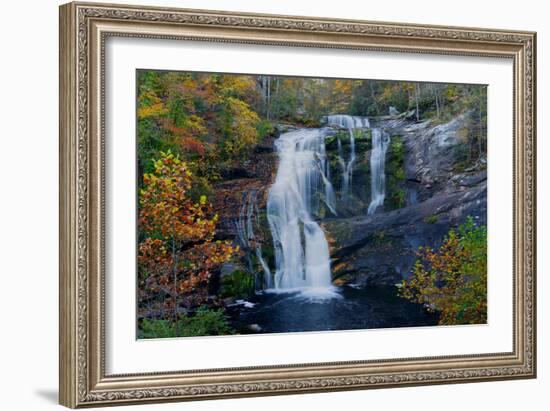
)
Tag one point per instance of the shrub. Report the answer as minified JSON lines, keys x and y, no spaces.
{"x":453,"y":279}
{"x":265,"y":128}
{"x":237,"y":284}
{"x":206,"y":321}
{"x":431,"y":219}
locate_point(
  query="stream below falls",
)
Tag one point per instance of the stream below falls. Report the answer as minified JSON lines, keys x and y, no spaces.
{"x":357,"y":308}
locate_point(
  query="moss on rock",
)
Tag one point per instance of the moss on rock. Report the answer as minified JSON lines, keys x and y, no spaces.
{"x":238,"y":284}
{"x":395,"y":171}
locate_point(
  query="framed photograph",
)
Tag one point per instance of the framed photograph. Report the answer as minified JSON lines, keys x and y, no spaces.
{"x":259,"y":204}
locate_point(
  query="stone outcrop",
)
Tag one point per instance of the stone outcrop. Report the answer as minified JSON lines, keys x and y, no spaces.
{"x":438,"y":194}
{"x":428,"y":191}
{"x":380,"y":249}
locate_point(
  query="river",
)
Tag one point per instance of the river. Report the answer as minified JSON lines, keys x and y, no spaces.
{"x":356,"y":308}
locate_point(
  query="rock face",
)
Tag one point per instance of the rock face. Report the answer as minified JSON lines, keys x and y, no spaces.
{"x":438,"y":195}
{"x":380,"y":249}
{"x":240,"y":203}
{"x":338,"y":153}
{"x":429,"y":189}
{"x":434,"y":154}
{"x":254,"y":174}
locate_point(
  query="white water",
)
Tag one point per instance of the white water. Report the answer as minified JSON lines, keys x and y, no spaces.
{"x":380,"y":142}
{"x":301,"y":249}
{"x":249,"y":215}
{"x":301,"y":189}
{"x":351,"y":123}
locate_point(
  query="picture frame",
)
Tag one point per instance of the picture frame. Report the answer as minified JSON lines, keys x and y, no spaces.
{"x":84,"y":30}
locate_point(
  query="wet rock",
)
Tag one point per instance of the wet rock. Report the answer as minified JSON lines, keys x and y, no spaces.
{"x":381,"y":249}
{"x":255,"y":328}
{"x":393,"y":111}
{"x":235,"y":173}
{"x":469,"y":180}
{"x":285,"y":128}
{"x":228,"y":268}
{"x":255,"y":173}
{"x":229,"y":301}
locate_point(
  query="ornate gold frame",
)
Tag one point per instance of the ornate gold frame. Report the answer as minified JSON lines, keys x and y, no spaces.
{"x":83,"y":30}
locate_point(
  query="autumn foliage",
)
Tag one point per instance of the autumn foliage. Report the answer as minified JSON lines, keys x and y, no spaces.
{"x":195,"y":129}
{"x":177,"y":255}
{"x":452,"y":280}
{"x":201,"y":117}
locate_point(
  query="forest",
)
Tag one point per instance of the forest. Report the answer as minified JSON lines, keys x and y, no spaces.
{"x":385,"y":226}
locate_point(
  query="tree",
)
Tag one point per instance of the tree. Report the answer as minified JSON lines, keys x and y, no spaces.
{"x":453,"y":279}
{"x":239,"y":128}
{"x":179,"y":232}
{"x":416,"y":98}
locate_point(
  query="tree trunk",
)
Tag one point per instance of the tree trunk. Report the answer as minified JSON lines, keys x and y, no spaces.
{"x":268,"y":97}
{"x":277,"y":81}
{"x":436,"y":96}
{"x":480,"y":143}
{"x":416,"y":91}
{"x":264,"y":88}
{"x":175,"y":272}
{"x":373,"y":99}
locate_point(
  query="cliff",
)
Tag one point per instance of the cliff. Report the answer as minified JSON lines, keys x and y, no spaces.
{"x":429,"y":189}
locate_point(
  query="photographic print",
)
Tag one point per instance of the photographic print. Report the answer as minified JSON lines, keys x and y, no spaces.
{"x":275,"y":196}
{"x":275,"y":204}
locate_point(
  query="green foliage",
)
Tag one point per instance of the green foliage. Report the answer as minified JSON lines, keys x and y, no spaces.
{"x":284,"y":103}
{"x":435,"y":101}
{"x":373,"y":98}
{"x":201,"y":124}
{"x":205,"y":119}
{"x":461,"y":166}
{"x":397,"y":153}
{"x":396,"y":173}
{"x":396,"y":149}
{"x":453,"y":279}
{"x":210,"y":119}
{"x":237,"y":284}
{"x":239,"y":130}
{"x":206,"y":321}
{"x":432,"y":219}
{"x":471,"y":147}
{"x":363,"y":135}
{"x":396,"y":199}
{"x":265,"y":128}
{"x":170,"y":220}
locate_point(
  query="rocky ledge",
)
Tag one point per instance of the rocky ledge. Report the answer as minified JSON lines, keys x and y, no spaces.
{"x":381,"y":248}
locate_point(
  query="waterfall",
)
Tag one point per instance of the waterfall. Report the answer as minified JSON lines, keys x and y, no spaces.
{"x":301,"y":249}
{"x":324,"y":172}
{"x":380,"y":143}
{"x":248,"y":215}
{"x":351,"y":123}
{"x":345,"y":176}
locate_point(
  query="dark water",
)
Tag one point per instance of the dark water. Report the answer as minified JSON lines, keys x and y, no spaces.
{"x":358,"y":308}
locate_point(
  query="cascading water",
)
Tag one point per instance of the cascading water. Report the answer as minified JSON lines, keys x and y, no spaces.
{"x":380,"y":143}
{"x":324,"y":172}
{"x":249,"y":215}
{"x":301,"y":189}
{"x":351,"y":123}
{"x":301,"y":249}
